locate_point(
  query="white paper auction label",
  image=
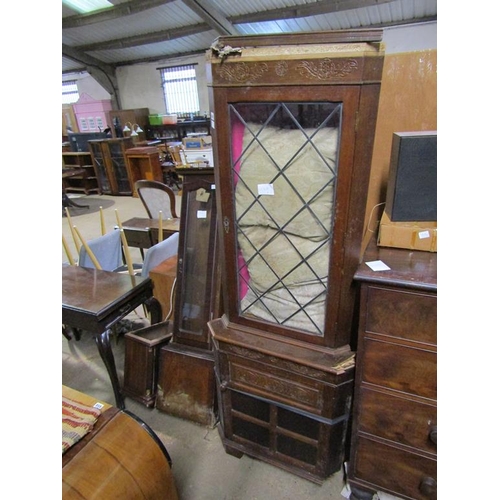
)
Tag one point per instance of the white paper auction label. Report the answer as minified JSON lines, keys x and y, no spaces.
{"x":265,"y":189}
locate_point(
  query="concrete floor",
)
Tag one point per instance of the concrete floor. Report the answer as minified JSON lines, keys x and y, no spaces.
{"x":201,"y":467}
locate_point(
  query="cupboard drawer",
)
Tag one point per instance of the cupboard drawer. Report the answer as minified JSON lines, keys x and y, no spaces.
{"x":401,"y":368}
{"x":398,"y":419}
{"x":402,"y":314}
{"x":404,"y":474}
{"x":138,"y":238}
{"x":292,"y":389}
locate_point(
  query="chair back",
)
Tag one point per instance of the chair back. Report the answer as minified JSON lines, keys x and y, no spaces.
{"x":156,"y":196}
{"x":107,"y":249}
{"x":160,"y":252}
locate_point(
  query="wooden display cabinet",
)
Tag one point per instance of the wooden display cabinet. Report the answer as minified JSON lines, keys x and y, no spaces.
{"x":292,"y":130}
{"x":394,"y":441}
{"x":88,"y":182}
{"x":143,"y":163}
{"x":186,"y":386}
{"x":108,"y":157}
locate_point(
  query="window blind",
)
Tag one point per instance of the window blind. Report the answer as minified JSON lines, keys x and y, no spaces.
{"x":70,"y":92}
{"x":180,"y":89}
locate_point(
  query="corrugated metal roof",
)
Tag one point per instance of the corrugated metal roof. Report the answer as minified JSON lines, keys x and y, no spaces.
{"x":179,"y":27}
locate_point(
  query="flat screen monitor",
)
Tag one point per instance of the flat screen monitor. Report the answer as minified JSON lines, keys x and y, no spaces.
{"x":79,"y":141}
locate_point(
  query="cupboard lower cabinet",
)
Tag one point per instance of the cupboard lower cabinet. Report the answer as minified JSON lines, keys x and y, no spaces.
{"x":275,"y":407}
{"x":394,"y":441}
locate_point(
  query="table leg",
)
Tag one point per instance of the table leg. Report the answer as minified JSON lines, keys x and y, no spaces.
{"x":104,"y":347}
{"x":154,"y":307}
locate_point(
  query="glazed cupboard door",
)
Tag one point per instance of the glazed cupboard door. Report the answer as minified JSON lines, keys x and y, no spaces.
{"x":108,"y":156}
{"x":287,"y":176}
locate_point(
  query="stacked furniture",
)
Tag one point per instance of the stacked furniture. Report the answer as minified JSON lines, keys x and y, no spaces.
{"x":292,"y":134}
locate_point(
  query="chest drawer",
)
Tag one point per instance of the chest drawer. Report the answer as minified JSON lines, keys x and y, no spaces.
{"x":400,"y":368}
{"x":397,"y":419}
{"x":410,"y":475}
{"x":402,"y":314}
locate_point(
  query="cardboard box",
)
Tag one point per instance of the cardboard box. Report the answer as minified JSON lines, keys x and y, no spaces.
{"x":409,"y":235}
{"x":197,"y":142}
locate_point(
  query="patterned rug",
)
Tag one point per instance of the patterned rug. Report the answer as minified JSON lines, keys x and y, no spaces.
{"x":77,"y":421}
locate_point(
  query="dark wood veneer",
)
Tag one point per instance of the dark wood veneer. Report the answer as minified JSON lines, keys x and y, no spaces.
{"x":394,"y":439}
{"x":285,"y":392}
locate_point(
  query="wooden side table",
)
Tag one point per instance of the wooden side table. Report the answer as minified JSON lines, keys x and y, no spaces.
{"x":94,"y":300}
{"x":143,"y":163}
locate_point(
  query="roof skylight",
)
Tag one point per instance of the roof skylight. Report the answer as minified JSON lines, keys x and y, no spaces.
{"x":85,"y":6}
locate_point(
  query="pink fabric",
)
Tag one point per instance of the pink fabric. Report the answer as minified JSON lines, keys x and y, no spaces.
{"x":237,"y":131}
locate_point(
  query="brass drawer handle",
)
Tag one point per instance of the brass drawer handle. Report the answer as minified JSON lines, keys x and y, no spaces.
{"x":428,"y":487}
{"x":433,"y":434}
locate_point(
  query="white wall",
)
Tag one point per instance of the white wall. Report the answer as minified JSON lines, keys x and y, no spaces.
{"x":140,"y":84}
{"x":413,"y":37}
{"x":87,"y":85}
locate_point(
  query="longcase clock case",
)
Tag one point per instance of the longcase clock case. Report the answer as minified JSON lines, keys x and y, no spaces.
{"x":293,"y":125}
{"x":186,"y":386}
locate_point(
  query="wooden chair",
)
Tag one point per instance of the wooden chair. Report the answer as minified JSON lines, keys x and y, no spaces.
{"x":156,"y":197}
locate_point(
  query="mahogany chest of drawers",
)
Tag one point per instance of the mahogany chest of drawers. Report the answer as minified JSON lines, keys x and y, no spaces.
{"x":394,"y":440}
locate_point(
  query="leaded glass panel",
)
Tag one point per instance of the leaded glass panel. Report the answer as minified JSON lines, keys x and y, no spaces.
{"x":284,"y":159}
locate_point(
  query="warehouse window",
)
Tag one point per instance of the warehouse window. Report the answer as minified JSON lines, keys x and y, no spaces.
{"x":70,"y":92}
{"x":180,"y":89}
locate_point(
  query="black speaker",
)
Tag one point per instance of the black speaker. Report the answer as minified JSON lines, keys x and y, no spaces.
{"x":412,"y":183}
